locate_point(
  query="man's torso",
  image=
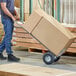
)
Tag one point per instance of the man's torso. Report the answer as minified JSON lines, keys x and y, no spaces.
{"x":10,"y":7}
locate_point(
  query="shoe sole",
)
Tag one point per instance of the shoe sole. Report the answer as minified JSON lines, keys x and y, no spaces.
{"x":3,"y":59}
{"x":13,"y":60}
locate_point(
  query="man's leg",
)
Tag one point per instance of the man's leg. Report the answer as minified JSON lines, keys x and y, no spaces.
{"x":8,"y":27}
{"x":8,"y":32}
{"x":2,"y":45}
{"x":8,"y":37}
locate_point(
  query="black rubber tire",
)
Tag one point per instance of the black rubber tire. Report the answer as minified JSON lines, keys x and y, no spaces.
{"x":48,"y":58}
{"x":57,"y":59}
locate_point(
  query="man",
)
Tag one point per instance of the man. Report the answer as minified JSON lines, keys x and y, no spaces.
{"x":7,"y":17}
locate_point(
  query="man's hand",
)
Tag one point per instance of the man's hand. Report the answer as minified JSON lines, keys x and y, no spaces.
{"x":13,"y":18}
{"x":17,"y":17}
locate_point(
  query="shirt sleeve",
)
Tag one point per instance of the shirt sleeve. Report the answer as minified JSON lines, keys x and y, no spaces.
{"x":3,"y":1}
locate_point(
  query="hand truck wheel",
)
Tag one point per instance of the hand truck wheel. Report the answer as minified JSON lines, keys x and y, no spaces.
{"x":48,"y":58}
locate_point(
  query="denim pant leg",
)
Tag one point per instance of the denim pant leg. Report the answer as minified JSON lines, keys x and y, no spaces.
{"x":8,"y":28}
{"x":2,"y":46}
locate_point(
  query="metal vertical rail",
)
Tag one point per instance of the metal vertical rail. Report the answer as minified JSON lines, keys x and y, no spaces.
{"x":53,"y":8}
{"x":31,"y":6}
{"x":45,"y":5}
{"x":64,"y":9}
{"x":61,"y":10}
{"x":58,"y":10}
{"x":49,"y":9}
{"x":40,"y":4}
{"x":73,"y":12}
{"x":21,"y":10}
{"x":69,"y":11}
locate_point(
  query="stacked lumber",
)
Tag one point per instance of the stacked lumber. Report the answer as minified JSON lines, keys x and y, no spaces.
{"x":30,"y":70}
{"x":72,"y":48}
{"x":22,"y":38}
{"x":1,"y":32}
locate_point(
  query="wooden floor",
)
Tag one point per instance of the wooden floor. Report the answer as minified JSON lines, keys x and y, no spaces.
{"x":15,"y":69}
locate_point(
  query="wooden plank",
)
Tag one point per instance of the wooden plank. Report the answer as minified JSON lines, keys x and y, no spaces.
{"x":17,"y":26}
{"x":22,"y":35}
{"x":72,"y":29}
{"x":37,"y":50}
{"x":71,"y":50}
{"x":75,"y":40}
{"x":3,"y":73}
{"x":74,"y":33}
{"x":73,"y":45}
{"x":29,"y":45}
{"x":1,"y":27}
{"x":30,"y":70}
{"x":26,"y":40}
{"x":20,"y":30}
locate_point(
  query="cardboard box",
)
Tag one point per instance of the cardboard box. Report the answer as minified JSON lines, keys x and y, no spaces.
{"x":52,"y":34}
{"x":49,"y":32}
{"x":32,"y":21}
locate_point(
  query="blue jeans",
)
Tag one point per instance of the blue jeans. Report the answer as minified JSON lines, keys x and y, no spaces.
{"x":8,"y":29}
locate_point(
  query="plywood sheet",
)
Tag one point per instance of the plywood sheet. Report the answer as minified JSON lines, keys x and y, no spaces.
{"x":29,"y":70}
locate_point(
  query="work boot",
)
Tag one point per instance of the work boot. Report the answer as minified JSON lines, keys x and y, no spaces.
{"x":12,"y":58}
{"x":2,"y":57}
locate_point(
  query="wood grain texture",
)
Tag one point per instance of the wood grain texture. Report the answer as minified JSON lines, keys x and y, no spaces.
{"x":29,"y":45}
{"x":71,"y":50}
{"x":30,"y":70}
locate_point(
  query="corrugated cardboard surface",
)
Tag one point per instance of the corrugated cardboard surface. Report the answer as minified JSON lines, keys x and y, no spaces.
{"x":32,"y":22}
{"x":50,"y":36}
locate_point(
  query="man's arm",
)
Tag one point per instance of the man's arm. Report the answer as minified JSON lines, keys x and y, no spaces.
{"x":17,"y":16}
{"x":15,"y":12}
{"x":6,"y":11}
